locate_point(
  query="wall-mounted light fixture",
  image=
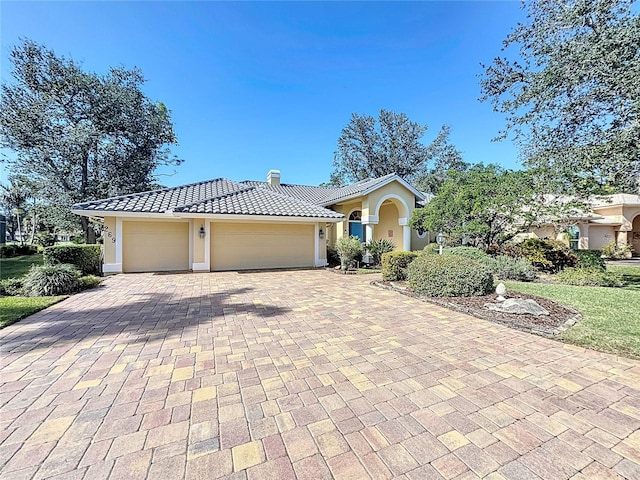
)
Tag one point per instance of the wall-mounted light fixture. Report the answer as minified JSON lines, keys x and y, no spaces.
{"x":202,"y":231}
{"x":321,"y":232}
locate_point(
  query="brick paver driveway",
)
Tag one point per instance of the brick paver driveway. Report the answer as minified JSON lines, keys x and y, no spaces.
{"x":301,"y":374}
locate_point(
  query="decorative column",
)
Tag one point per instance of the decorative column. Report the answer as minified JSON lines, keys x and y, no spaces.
{"x":406,"y":233}
{"x":368,"y":231}
{"x":369,"y":221}
{"x":583,"y":243}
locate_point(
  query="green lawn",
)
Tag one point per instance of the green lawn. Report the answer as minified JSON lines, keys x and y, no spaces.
{"x":611,"y":316}
{"x":631,"y":275}
{"x":13,"y":309}
{"x":18,"y":266}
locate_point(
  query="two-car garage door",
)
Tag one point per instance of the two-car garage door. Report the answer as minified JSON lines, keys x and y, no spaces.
{"x":243,"y":246}
{"x":164,"y":246}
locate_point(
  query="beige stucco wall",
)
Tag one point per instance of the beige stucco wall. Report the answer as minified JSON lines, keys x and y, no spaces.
{"x":341,"y":229}
{"x":629,"y":214}
{"x":373,"y":200}
{"x":198,"y":243}
{"x":600,"y":235}
{"x":322,"y":242}
{"x":609,"y":211}
{"x":387,"y":227}
{"x":368,"y":204}
{"x":418,"y":243}
{"x":109,"y":240}
{"x":241,"y":246}
{"x":155,"y":246}
{"x":544,"y":232}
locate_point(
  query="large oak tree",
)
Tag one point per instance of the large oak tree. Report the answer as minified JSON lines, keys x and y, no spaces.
{"x":79,"y":134}
{"x":569,"y":84}
{"x":393,"y":144}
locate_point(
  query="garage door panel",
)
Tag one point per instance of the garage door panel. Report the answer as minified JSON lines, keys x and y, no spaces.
{"x":238,"y":246}
{"x":155,"y":246}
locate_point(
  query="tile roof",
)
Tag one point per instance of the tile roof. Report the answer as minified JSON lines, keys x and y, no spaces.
{"x":219,"y":196}
{"x":324,"y":196}
{"x":259,"y":201}
{"x":223,"y":196}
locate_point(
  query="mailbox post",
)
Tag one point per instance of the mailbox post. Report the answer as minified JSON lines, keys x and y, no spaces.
{"x":440,"y":241}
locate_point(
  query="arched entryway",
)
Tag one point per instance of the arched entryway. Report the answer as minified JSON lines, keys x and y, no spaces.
{"x":634,"y":241}
{"x":391,"y":221}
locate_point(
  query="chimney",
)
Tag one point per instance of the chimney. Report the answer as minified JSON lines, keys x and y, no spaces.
{"x":273,"y":177}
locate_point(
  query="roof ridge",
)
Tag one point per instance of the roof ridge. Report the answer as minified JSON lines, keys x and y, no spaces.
{"x":289,"y":197}
{"x":262,"y":182}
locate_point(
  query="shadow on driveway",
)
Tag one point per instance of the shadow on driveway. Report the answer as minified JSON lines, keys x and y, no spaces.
{"x":138,"y":317}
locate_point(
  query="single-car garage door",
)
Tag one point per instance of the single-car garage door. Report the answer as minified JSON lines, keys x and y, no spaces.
{"x":244,"y":246}
{"x":155,"y":246}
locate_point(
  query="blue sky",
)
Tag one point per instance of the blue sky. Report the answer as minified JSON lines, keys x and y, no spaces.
{"x":255,"y":86}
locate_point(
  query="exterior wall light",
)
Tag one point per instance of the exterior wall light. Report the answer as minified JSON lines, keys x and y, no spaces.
{"x":321,"y":233}
{"x":440,"y":241}
{"x":202,"y":231}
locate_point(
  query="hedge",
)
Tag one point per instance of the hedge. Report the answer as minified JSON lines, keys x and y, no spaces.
{"x":16,"y":250}
{"x":86,"y":258}
{"x":449,"y":276}
{"x":394,"y":265}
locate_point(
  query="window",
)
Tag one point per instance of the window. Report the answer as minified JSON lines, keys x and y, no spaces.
{"x":355,"y":225}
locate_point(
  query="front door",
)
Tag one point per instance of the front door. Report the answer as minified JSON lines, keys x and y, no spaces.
{"x":355,"y":225}
{"x":356,"y":230}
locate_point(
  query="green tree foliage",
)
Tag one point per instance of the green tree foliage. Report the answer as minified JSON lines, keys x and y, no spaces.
{"x":13,"y":205}
{"x":369,"y":149}
{"x":486,"y":204}
{"x":81,"y":135}
{"x":569,"y":86}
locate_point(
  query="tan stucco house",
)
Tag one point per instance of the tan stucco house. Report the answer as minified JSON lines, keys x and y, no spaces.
{"x":226,"y":225}
{"x":611,"y":218}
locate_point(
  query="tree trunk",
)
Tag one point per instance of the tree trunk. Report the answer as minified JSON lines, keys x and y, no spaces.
{"x":34,"y":222}
{"x":89,"y":232}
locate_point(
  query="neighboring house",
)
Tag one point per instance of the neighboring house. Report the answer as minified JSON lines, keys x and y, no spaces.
{"x":613,"y":218}
{"x":226,"y":225}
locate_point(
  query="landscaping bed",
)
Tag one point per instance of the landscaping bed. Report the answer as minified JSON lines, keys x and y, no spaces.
{"x":559,"y":319}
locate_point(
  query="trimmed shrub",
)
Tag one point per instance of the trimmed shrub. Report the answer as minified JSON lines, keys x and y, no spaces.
{"x":348,"y":249}
{"x":86,"y":258}
{"x":548,"y":255}
{"x":506,"y":249}
{"x":590,"y":277}
{"x":468,"y":252}
{"x":49,"y":280}
{"x":16,"y":250}
{"x":509,"y":268}
{"x":590,"y":259}
{"x":379,"y":247}
{"x":11,"y":287}
{"x":394,"y":265}
{"x":431,"y":248}
{"x":88,"y":281}
{"x":613,"y":251}
{"x":449,"y":276}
